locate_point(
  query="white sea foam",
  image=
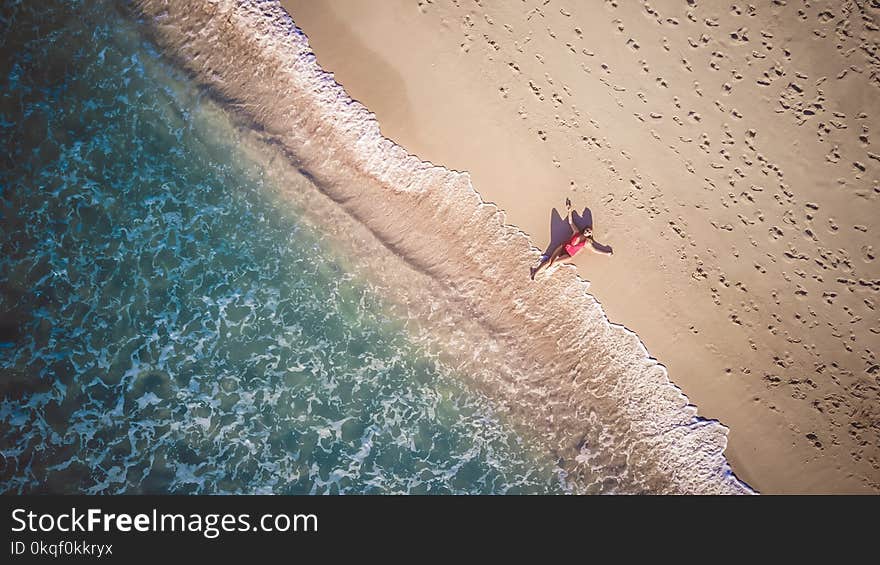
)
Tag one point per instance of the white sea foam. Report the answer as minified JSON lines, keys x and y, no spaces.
{"x":586,"y":388}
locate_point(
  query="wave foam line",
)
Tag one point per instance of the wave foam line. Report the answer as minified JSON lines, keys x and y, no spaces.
{"x":601,"y":389}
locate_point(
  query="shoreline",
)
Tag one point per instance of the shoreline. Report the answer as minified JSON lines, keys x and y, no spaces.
{"x":494,"y":115}
{"x":606,"y":408}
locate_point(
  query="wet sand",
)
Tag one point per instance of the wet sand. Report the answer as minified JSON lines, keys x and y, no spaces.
{"x":726,"y":153}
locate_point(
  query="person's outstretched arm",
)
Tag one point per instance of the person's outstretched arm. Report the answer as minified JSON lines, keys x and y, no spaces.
{"x":574,"y":228}
{"x":600,"y":249}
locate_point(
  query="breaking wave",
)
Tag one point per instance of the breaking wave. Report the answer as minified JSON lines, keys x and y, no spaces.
{"x":585,"y":388}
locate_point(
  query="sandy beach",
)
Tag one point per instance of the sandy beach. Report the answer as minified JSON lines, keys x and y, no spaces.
{"x":726,"y":152}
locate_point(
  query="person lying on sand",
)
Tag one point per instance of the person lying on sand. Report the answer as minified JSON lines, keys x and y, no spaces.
{"x":579,"y":239}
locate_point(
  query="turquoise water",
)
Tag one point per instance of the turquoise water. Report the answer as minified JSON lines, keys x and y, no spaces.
{"x":166,"y":326}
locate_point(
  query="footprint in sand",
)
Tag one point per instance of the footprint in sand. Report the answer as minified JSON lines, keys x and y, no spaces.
{"x":536,"y":90}
{"x":863,"y":137}
{"x":740,"y":36}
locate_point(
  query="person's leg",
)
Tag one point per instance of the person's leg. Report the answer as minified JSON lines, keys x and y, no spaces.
{"x":544,"y":262}
{"x":561,"y":257}
{"x":558,"y":254}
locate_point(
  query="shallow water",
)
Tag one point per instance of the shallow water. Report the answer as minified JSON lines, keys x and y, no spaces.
{"x":166,"y":325}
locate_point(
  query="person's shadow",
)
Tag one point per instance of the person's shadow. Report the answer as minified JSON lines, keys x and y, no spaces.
{"x":560,"y":231}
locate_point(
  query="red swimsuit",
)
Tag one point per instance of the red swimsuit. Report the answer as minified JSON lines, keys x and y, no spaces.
{"x":573,"y":245}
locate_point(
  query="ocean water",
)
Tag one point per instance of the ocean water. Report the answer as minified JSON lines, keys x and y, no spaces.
{"x":168,"y":325}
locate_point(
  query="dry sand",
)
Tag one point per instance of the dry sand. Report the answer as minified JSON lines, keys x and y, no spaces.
{"x":727,"y":152}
